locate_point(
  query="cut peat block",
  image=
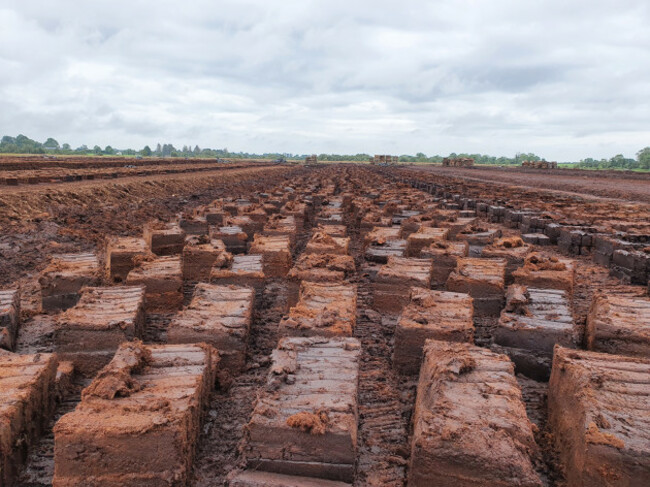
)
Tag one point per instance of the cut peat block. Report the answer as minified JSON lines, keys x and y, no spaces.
{"x":194,"y":225}
{"x":512,"y":249}
{"x":276,"y":254}
{"x":393,"y":283}
{"x":235,"y":239}
{"x":219,"y":316}
{"x":27,"y":403}
{"x":323,"y":309}
{"x":380,"y":235}
{"x":424,"y":237}
{"x":138,"y":421}
{"x":305,"y":423}
{"x":64,"y":277}
{"x":122,"y":255}
{"x":458,"y":225}
{"x":163,"y":281}
{"x":323,"y":243}
{"x":247,"y":224}
{"x":88,"y":334}
{"x":164,"y":238}
{"x":445,"y":255}
{"x":200,"y":255}
{"x":379,"y":253}
{"x":255,"y":478}
{"x":333,"y":230}
{"x":598,"y":411}
{"x":619,"y":325}
{"x":244,"y":270}
{"x":282,"y":225}
{"x":318,"y":268}
{"x":299,"y":211}
{"x":470,"y":424}
{"x":484,"y":280}
{"x":9,"y":318}
{"x":546,"y":271}
{"x":533,"y":321}
{"x":436,"y":315}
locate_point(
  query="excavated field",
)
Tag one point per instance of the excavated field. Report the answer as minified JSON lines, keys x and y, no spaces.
{"x":329,"y":326}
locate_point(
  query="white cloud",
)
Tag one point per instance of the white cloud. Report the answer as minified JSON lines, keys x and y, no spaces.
{"x":563,"y":79}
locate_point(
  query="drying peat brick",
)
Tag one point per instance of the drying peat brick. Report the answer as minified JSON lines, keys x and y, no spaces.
{"x":247,"y":224}
{"x":282,"y":225}
{"x":122,"y":255}
{"x":234,"y":238}
{"x":484,"y":280}
{"x":255,"y":478}
{"x":299,"y":211}
{"x":194,"y":225}
{"x":323,"y":309}
{"x":424,"y":237}
{"x":436,"y":315}
{"x":330,"y":216}
{"x":163,"y":281}
{"x":164,"y":238}
{"x":371,"y":220}
{"x":27,"y":401}
{"x":546,"y":271}
{"x":380,"y":235}
{"x":333,"y":230}
{"x":619,"y":325}
{"x":243,"y":270}
{"x":64,"y":277}
{"x":305,"y":422}
{"x":200,"y":254}
{"x":512,"y":249}
{"x":322,"y":243}
{"x":470,"y":424}
{"x":276,"y":254}
{"x":536,"y":239}
{"x":479,"y":235}
{"x":392,"y":286}
{"x":318,"y":268}
{"x":9,"y":317}
{"x":533,"y":321}
{"x":598,"y":410}
{"x":138,"y":421}
{"x":104,"y":317}
{"x":457,"y":226}
{"x":220,"y":316}
{"x":445,"y":255}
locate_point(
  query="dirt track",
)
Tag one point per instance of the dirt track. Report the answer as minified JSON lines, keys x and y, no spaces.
{"x":634,"y":187}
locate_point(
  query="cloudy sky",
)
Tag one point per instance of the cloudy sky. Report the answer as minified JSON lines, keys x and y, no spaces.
{"x":566,"y":79}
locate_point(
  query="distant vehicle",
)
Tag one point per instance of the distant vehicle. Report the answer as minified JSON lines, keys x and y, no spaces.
{"x":280,"y":160}
{"x":138,"y":157}
{"x":130,"y":166}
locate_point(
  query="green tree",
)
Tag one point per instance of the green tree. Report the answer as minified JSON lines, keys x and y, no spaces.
{"x":97,"y":150}
{"x":643,"y":156}
{"x":146,"y":151}
{"x":51,"y":143}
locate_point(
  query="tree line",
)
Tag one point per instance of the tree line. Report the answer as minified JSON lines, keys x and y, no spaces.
{"x":24,"y":145}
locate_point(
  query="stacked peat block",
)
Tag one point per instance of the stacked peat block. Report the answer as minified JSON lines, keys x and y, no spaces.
{"x":9,"y":318}
{"x":424,"y":237}
{"x":299,"y":211}
{"x":323,"y":309}
{"x":219,"y":316}
{"x":598,"y":411}
{"x":276,"y":254}
{"x":478,"y":237}
{"x":393,"y":283}
{"x":436,"y":315}
{"x":339,"y":231}
{"x":164,"y":238}
{"x":533,"y":321}
{"x":322,"y":268}
{"x":575,"y":241}
{"x":234,"y":238}
{"x":27,"y":403}
{"x":546,"y":272}
{"x":457,"y":225}
{"x":200,"y":255}
{"x":89,"y":333}
{"x":62,"y":280}
{"x":484,"y":280}
{"x":619,"y":325}
{"x":470,"y":423}
{"x":323,"y":243}
{"x":513,"y":250}
{"x":373,"y":219}
{"x":305,"y":422}
{"x":282,"y":225}
{"x":256,"y":478}
{"x":162,"y":279}
{"x":241,"y":270}
{"x":123,"y":254}
{"x":194,"y":225}
{"x":383,"y":242}
{"x":445,"y":255}
{"x":139,"y":420}
{"x":631,"y":266}
{"x":246,"y":223}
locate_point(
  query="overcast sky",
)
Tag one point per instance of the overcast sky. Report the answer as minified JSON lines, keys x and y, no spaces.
{"x":566,"y":79}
